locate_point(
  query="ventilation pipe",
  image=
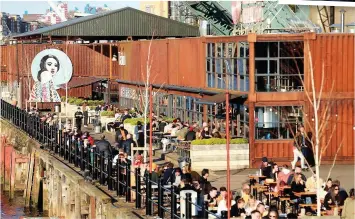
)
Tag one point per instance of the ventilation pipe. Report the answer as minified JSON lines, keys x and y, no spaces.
{"x":342,"y":20}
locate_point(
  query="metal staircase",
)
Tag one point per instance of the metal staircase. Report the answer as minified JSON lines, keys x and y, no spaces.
{"x":324,"y":17}
{"x":218,"y":17}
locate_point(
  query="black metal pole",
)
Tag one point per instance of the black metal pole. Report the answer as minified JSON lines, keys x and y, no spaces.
{"x":70,"y":147}
{"x":120,"y":178}
{"x":109,"y":172}
{"x":102,"y":163}
{"x":188,"y":206}
{"x":138,"y":189}
{"x":160,"y":199}
{"x":82,"y":158}
{"x":148,"y":209}
{"x":88,"y":161}
{"x":173,"y":206}
{"x":204,"y":210}
{"x":128,"y":182}
{"x":95,"y":165}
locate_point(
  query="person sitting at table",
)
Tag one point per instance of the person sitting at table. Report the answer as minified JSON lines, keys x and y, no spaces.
{"x":186,"y":184}
{"x":265,"y":168}
{"x":174,"y":130}
{"x":298,"y":170}
{"x":205,"y":134}
{"x":255,"y":214}
{"x":204,"y":176}
{"x":298,"y":185}
{"x":222,"y":194}
{"x":222,"y":204}
{"x":177,"y":177}
{"x":251,"y":205}
{"x":238,"y":209}
{"x":311,"y":184}
{"x":191,"y":134}
{"x":121,"y":135}
{"x":181,"y":133}
{"x":155,"y":177}
{"x":333,"y":198}
{"x":282,"y":177}
{"x":244,"y":193}
{"x":211,"y":197}
{"x":273,"y":214}
{"x":342,"y":192}
{"x":127,"y":144}
{"x":125,"y":116}
{"x":348,"y":211}
{"x":216,"y":134}
{"x":261,"y":208}
{"x":275,"y":172}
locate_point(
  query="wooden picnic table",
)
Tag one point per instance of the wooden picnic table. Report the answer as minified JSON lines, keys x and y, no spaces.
{"x":307,"y":194}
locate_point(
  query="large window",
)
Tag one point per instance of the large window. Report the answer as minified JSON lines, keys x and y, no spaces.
{"x":227,"y":65}
{"x":277,"y":122}
{"x":279,"y":66}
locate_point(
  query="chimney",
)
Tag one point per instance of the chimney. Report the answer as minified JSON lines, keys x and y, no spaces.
{"x":342,"y":20}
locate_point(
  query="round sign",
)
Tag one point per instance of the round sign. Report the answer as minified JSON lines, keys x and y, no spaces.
{"x":52,"y":63}
{"x":51,"y":69}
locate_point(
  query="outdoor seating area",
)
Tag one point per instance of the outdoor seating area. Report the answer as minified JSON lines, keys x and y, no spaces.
{"x":178,"y":192}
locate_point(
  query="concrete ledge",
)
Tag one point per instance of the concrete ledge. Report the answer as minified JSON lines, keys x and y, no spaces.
{"x":215,"y":156}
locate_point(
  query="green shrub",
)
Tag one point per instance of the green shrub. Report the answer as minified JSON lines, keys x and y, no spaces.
{"x":213,"y":141}
{"x":133,"y":121}
{"x":108,"y":113}
{"x":100,"y":102}
{"x":91,"y":102}
{"x":62,"y":98}
{"x":79,"y":102}
{"x":92,"y":107}
{"x":168,"y":119}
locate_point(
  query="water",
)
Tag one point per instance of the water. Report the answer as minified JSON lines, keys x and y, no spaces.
{"x":16,"y":207}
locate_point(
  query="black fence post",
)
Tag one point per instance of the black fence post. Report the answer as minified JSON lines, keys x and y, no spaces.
{"x":76,"y":144}
{"x":102,"y":163}
{"x":109,"y":172}
{"x":88,"y":161}
{"x":120,"y":178}
{"x":173,"y":206}
{"x":224,"y":214}
{"x":70,"y":148}
{"x":138,"y":188}
{"x":160,"y":199}
{"x":148,"y":197}
{"x":188,"y":206}
{"x":205,"y":210}
{"x":95,"y":165}
{"x":82,"y":160}
{"x":118,"y":163}
{"x":128,"y":182}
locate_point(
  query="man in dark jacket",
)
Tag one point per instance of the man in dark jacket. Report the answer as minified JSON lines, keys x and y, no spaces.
{"x":104,"y":146}
{"x":78,"y":118}
{"x":169,"y":174}
{"x":190,"y":135}
{"x":121,"y":135}
{"x":125,"y":116}
{"x":127,"y":144}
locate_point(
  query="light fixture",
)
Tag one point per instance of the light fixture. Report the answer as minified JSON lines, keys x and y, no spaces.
{"x":270,"y":109}
{"x":336,"y":115}
{"x":114,"y":58}
{"x":276,"y":112}
{"x":354,"y":127}
{"x":312,"y":119}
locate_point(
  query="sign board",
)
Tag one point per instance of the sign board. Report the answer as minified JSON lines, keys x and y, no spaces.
{"x":51,"y":69}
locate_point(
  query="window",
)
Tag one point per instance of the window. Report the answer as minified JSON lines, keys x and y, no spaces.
{"x":227,"y":65}
{"x":277,"y":122}
{"x":149,"y":9}
{"x":279,"y":66}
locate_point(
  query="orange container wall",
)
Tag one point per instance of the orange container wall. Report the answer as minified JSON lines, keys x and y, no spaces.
{"x":336,"y":53}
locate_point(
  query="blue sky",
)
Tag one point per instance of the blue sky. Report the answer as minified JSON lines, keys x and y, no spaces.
{"x":39,"y":7}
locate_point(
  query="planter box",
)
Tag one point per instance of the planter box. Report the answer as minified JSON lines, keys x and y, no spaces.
{"x":215,"y":156}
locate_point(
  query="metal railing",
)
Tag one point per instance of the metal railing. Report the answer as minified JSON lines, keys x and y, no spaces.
{"x":101,"y":168}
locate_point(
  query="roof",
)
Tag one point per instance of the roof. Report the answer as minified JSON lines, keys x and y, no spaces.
{"x":121,"y":22}
{"x":83,"y":81}
{"x":30,"y":17}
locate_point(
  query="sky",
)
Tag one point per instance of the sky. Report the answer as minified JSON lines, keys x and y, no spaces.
{"x":40,"y":7}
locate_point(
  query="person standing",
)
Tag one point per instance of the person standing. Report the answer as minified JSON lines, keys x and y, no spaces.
{"x":85,"y":114}
{"x":78,"y":118}
{"x":299,"y":143}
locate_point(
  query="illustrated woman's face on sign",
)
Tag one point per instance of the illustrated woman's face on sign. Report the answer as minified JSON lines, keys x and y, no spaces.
{"x":51,"y":65}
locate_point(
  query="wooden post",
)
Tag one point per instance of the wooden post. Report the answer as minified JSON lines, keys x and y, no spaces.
{"x":27,"y":192}
{"x":77,"y":202}
{"x":92,"y":214}
{"x":251,"y":133}
{"x":13,"y":173}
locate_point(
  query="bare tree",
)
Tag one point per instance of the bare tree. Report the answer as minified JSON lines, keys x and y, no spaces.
{"x":317,"y":121}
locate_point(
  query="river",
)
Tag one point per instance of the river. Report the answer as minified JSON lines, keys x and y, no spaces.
{"x":16,"y":208}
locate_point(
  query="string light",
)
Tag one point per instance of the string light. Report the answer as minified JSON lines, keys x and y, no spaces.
{"x":312,"y":119}
{"x":270,"y":109}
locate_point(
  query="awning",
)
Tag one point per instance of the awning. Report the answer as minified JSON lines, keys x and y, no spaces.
{"x":83,"y":81}
{"x":221,"y":97}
